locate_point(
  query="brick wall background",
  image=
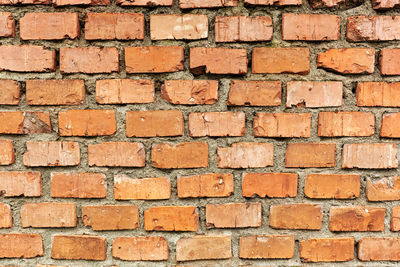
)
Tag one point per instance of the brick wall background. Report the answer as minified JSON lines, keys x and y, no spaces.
{"x":199,"y":133}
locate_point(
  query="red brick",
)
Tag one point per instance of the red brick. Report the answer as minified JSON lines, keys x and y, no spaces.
{"x":233,"y":215}
{"x":282,"y":124}
{"x":177,"y":27}
{"x":6,"y":152}
{"x":204,"y":60}
{"x":27,"y":58}
{"x":296,"y":216}
{"x":55,"y":92}
{"x":58,"y":3}
{"x":154,"y":59}
{"x":314,"y":94}
{"x":140,"y":248}
{"x":379,"y":249}
{"x":266,"y":247}
{"x":190,"y":92}
{"x":154,"y":123}
{"x":310,"y":27}
{"x":373,"y":28}
{"x":217,"y":124}
{"x":255,"y":93}
{"x":390,"y":126}
{"x":310,"y":155}
{"x":19,"y":183}
{"x":110,"y":26}
{"x":204,"y":247}
{"x":7,"y":24}
{"x":78,"y":247}
{"x":9,"y":92}
{"x":6,"y":219}
{"x":78,"y":185}
{"x":346,"y":124}
{"x":110,"y":217}
{"x":243,"y":28}
{"x":48,"y":215}
{"x":205,"y":185}
{"x":145,"y":2}
{"x":348,"y":60}
{"x":246,"y":155}
{"x":385,"y":189}
{"x":49,"y":26}
{"x":124,"y":91}
{"x":171,"y":218}
{"x":61,"y":153}
{"x":113,"y":154}
{"x":385,"y":4}
{"x":341,"y":4}
{"x":370,"y":156}
{"x":389,"y":61}
{"x":274,"y":2}
{"x":395,"y":222}
{"x":21,"y":246}
{"x":335,"y":186}
{"x":293,"y":60}
{"x":144,"y":188}
{"x":357,"y":218}
{"x":378,"y":94}
{"x":269,"y":185}
{"x":207,"y":3}
{"x":327,"y":249}
{"x":21,"y":122}
{"x":182,"y":155}
{"x":25,"y":2}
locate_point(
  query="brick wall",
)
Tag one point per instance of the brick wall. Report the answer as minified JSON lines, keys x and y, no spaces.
{"x":199,"y":132}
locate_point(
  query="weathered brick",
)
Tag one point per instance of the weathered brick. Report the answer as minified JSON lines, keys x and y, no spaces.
{"x":356,"y":218}
{"x":6,"y":152}
{"x":385,"y":4}
{"x":389,"y":61}
{"x":341,"y":4}
{"x":282,"y":124}
{"x":48,"y":215}
{"x":190,"y":92}
{"x":205,"y":185}
{"x":204,"y":247}
{"x":59,"y":3}
{"x":346,"y":124}
{"x":24,"y":122}
{"x":140,"y":248}
{"x":310,"y":27}
{"x":217,"y":124}
{"x":314,"y":94}
{"x":370,"y":156}
{"x":373,"y":28}
{"x":171,"y":218}
{"x":296,"y":216}
{"x":269,"y":185}
{"x":145,"y":2}
{"x":292,"y":60}
{"x":390,"y":125}
{"x":61,"y":153}
{"x":21,"y":246}
{"x":266,"y":247}
{"x":78,"y":247}
{"x":378,"y":94}
{"x":154,"y":59}
{"x":379,"y":249}
{"x":143,"y":188}
{"x":182,"y":155}
{"x":255,"y":93}
{"x":113,"y":154}
{"x":233,"y":215}
{"x":6,"y":218}
{"x":10,"y":92}
{"x":395,"y":221}
{"x":310,"y":155}
{"x":110,"y":26}
{"x":385,"y":189}
{"x":207,"y":3}
{"x":20,"y":183}
{"x":246,"y":155}
{"x":7,"y":24}
{"x":336,"y":186}
{"x":124,"y":91}
{"x":110,"y":217}
{"x":327,"y":249}
{"x":274,"y":2}
{"x":25,"y":2}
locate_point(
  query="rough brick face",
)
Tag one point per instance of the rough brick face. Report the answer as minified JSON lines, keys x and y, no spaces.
{"x":59,"y":3}
{"x":142,"y":188}
{"x":370,"y":156}
{"x":10,"y":92}
{"x":269,"y":185}
{"x":190,"y":92}
{"x":172,"y":218}
{"x":110,"y":217}
{"x":308,"y":155}
{"x":385,"y":189}
{"x":6,"y":152}
{"x":7,"y":24}
{"x":152,"y":248}
{"x":124,"y":91}
{"x":373,"y":28}
{"x":274,"y":3}
{"x":207,"y":3}
{"x":388,"y":249}
{"x":76,"y":247}
{"x":21,"y":246}
{"x":145,"y":2}
{"x":389,"y":61}
{"x":327,"y":250}
{"x":335,"y":186}
{"x":356,"y":219}
{"x":113,"y":154}
{"x":296,"y":216}
{"x":378,"y":94}
{"x":385,"y":4}
{"x":19,"y":122}
{"x":395,"y":222}
{"x":6,"y":219}
{"x":203,"y":247}
{"x":255,"y":93}
{"x":390,"y":126}
{"x":206,"y":185}
{"x":217,"y":124}
{"x":346,"y":124}
{"x":266,"y":247}
{"x":282,"y":125}
{"x":246,"y":155}
{"x":14,"y":184}
{"x":233,"y":215}
{"x":48,"y":215}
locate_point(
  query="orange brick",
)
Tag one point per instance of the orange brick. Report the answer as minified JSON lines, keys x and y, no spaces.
{"x":390,"y":125}
{"x":346,"y":124}
{"x":7,"y":24}
{"x":25,"y":2}
{"x":171,"y":218}
{"x":246,"y":155}
{"x":124,"y":91}
{"x":59,"y":3}
{"x":145,"y":2}
{"x":373,"y":28}
{"x":10,"y":92}
{"x":348,"y":60}
{"x":357,"y":218}
{"x":27,"y":58}
{"x":334,"y":3}
{"x":269,"y":185}
{"x":78,"y":185}
{"x":217,"y":124}
{"x":385,"y":4}
{"x":310,"y":155}
{"x":24,"y":122}
{"x":21,"y":246}
{"x":78,"y":247}
{"x":274,"y":2}
{"x":370,"y":156}
{"x":6,"y":152}
{"x":140,"y":248}
{"x":255,"y":93}
{"x":6,"y":219}
{"x":336,"y":186}
{"x":190,"y":92}
{"x":233,"y":215}
{"x":327,"y":249}
{"x":113,"y":154}
{"x":385,"y":189}
{"x":282,"y":124}
{"x":204,"y":247}
{"x":395,"y":221}
{"x":153,"y":123}
{"x":154,"y":59}
{"x":144,"y":188}
{"x":49,"y":26}
{"x":293,"y":60}
{"x":205,"y":185}
{"x":243,"y":28}
{"x":296,"y":216}
{"x":314,"y":94}
{"x":379,"y":249}
{"x":48,"y":215}
{"x":204,"y":60}
{"x":19,"y":183}
{"x":389,"y":61}
{"x":55,"y":92}
{"x":266,"y":247}
{"x":182,"y":155}
{"x":51,"y":154}
{"x":378,"y":94}
{"x":207,"y":3}
{"x":110,"y":217}
{"x":110,"y":26}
